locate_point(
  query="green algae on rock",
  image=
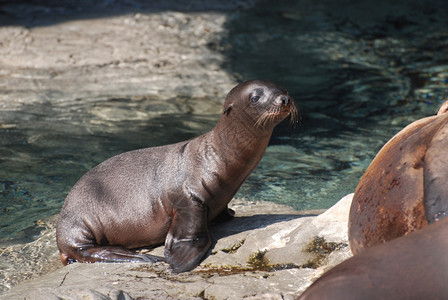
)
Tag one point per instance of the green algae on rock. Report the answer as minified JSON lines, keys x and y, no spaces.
{"x":321,"y":249}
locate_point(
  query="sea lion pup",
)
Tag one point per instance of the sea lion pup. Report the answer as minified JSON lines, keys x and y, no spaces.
{"x":169,"y":193}
{"x":410,"y":267}
{"x":405,"y":187}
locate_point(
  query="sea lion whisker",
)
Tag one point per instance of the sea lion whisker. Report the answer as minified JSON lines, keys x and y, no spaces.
{"x":262,"y":119}
{"x":265,"y":117}
{"x":294,"y":118}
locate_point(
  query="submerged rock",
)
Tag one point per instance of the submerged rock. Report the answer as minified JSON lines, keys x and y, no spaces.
{"x":23,"y":259}
{"x":267,"y":251}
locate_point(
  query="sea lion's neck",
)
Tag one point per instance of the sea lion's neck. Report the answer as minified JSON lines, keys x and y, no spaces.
{"x":231,"y":151}
{"x":240,"y":139}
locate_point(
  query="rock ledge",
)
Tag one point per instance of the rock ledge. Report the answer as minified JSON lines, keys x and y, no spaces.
{"x":256,"y":256}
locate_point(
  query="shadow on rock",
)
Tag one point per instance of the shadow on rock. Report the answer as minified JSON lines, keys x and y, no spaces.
{"x":245,"y":223}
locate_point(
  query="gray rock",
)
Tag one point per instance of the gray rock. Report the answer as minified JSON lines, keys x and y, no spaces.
{"x":24,"y":260}
{"x":259,"y":255}
{"x":162,"y":55}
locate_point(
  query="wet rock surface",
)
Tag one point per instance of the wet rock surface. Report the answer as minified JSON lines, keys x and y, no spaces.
{"x":275,"y":254}
{"x":102,"y":52}
{"x":31,"y":256}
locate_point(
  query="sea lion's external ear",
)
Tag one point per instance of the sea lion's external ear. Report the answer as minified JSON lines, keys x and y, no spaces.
{"x":227,"y":110}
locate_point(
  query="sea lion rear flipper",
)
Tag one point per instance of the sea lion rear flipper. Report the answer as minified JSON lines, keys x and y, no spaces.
{"x":436,"y":177}
{"x":107,"y":254}
{"x":188,"y":239}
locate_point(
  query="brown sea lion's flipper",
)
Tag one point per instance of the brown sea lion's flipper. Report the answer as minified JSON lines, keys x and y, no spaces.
{"x":226,"y":215}
{"x":108,"y":254}
{"x":188,"y":239}
{"x":436,"y":176}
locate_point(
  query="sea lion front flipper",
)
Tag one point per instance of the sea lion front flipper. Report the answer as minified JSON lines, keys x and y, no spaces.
{"x":227,"y":214}
{"x":435,"y":176}
{"x":188,"y":239}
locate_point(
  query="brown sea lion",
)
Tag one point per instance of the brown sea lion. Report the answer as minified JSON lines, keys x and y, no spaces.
{"x":169,"y":193}
{"x":443,"y":108}
{"x":410,"y":267}
{"x":405,"y":187}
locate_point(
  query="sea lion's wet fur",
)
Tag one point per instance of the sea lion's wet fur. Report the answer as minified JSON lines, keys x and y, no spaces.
{"x":410,"y":267}
{"x":169,"y":193}
{"x":397,"y":225}
{"x":405,"y":186}
{"x":443,"y":108}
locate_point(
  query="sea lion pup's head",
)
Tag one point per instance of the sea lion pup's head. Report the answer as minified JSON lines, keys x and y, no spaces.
{"x":443,"y":109}
{"x":261,"y":102}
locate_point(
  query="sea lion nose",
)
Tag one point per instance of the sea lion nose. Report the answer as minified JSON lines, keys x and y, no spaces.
{"x":285,"y":100}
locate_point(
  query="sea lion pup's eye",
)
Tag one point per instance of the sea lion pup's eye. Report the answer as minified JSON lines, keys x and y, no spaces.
{"x":254,"y":99}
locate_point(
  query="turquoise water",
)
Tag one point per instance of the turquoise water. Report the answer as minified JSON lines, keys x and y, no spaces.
{"x":359,"y":70}
{"x":46,"y":148}
{"x":357,"y":80}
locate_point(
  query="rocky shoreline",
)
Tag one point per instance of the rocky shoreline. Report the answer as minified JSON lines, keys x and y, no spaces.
{"x":268,"y":251}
